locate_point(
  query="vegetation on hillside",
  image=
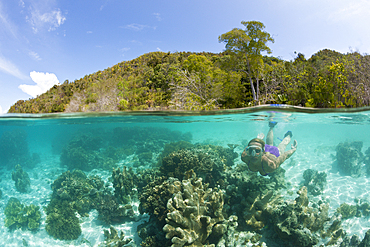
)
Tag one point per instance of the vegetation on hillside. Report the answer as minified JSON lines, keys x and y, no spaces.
{"x":238,"y":77}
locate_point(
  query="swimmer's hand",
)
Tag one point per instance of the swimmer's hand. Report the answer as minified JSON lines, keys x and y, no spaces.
{"x":295,"y":144}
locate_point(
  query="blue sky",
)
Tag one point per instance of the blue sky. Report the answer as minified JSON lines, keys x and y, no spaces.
{"x":49,"y":41}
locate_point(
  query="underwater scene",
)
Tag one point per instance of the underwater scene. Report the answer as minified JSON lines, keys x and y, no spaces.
{"x":264,"y":176}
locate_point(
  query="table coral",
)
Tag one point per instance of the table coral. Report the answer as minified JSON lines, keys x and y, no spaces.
{"x":195,"y":212}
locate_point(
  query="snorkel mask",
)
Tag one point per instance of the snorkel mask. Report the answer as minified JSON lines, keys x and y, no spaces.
{"x":254,"y":150}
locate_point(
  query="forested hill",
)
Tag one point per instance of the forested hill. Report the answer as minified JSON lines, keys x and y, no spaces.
{"x":204,"y":81}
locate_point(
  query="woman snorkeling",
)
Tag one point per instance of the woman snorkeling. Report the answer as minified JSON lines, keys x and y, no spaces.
{"x":266,"y":158}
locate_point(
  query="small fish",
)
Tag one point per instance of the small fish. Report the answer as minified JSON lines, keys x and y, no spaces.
{"x":45,"y":202}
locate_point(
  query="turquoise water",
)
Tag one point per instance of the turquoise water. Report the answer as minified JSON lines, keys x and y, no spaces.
{"x":36,"y":143}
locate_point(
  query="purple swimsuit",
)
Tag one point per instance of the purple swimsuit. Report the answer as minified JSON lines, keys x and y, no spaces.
{"x":272,"y":150}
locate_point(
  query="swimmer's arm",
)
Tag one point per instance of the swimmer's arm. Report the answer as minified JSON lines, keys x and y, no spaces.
{"x":286,"y":155}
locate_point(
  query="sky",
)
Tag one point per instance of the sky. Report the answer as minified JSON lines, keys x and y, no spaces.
{"x":46,"y":42}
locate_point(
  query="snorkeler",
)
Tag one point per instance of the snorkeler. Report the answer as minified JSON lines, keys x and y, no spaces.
{"x":266,"y":158}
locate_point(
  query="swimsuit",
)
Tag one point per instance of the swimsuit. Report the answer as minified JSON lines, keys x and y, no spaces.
{"x":272,"y":150}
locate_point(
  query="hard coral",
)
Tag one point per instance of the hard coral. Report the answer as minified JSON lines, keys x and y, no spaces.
{"x":195,"y":212}
{"x":22,"y":216}
{"x":21,"y":178}
{"x":125,"y":184}
{"x":113,"y":239}
{"x":349,"y":158}
{"x":314,"y":181}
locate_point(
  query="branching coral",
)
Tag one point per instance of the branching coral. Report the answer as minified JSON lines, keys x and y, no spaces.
{"x":195,"y":212}
{"x":113,"y":239}
{"x":21,"y":179}
{"x":22,"y":216}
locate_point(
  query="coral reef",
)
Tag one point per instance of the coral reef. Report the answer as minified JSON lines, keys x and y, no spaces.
{"x":125,"y":184}
{"x":296,"y":223}
{"x":21,"y":179}
{"x":350,"y":158}
{"x":72,"y":192}
{"x":194,"y":213}
{"x":207,"y":161}
{"x":22,"y":216}
{"x":362,"y":208}
{"x":111,"y":211}
{"x":314,"y":181}
{"x":61,"y":221}
{"x":113,"y":239}
{"x":14,"y":149}
{"x":235,"y":238}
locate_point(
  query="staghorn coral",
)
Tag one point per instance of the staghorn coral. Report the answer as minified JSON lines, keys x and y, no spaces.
{"x":22,"y":216}
{"x":195,"y":212}
{"x":21,"y":179}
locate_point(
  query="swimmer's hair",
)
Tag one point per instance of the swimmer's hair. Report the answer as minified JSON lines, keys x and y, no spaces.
{"x":260,"y":141}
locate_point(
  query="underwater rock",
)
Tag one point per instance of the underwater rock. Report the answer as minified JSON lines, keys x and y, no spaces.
{"x":354,"y":241}
{"x":113,"y":239}
{"x":314,"y":181}
{"x":21,"y":216}
{"x":350,"y":158}
{"x":194,"y":213}
{"x":21,"y":178}
{"x":235,"y":238}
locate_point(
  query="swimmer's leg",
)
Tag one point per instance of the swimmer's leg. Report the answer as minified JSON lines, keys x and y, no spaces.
{"x":270,"y":134}
{"x":284,"y":142}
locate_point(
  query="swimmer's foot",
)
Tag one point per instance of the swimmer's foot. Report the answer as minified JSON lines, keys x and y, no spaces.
{"x":289,"y":133}
{"x":272,"y":124}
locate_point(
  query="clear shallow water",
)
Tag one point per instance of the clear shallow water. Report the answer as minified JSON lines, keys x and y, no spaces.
{"x":318,"y":134}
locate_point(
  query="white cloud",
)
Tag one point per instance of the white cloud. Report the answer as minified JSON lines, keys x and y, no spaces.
{"x":44,"y":81}
{"x":138,"y":27}
{"x":34,"y":55}
{"x":10,"y":68}
{"x":1,"y":110}
{"x":159,"y":49}
{"x":89,"y":32}
{"x":52,"y":20}
{"x":158,"y":16}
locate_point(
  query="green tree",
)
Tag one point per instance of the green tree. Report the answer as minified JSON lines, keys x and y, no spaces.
{"x":247,"y":47}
